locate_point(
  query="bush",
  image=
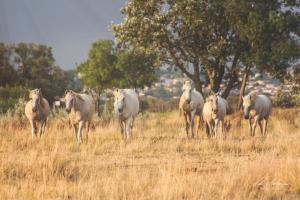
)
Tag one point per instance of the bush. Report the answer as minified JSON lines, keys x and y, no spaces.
{"x":9,"y":97}
{"x":288,"y":100}
{"x":18,"y":110}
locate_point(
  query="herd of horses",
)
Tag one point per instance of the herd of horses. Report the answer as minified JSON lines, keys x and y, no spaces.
{"x":82,"y":106}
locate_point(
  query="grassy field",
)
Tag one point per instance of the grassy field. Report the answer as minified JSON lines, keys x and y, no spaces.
{"x":158,"y":163}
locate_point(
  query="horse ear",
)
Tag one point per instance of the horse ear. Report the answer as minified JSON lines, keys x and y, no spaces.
{"x":115,"y":92}
{"x":66,"y":91}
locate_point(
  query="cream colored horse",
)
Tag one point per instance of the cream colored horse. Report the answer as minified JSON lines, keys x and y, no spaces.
{"x":126,"y":107}
{"x":191,"y":104}
{"x":80,"y":108}
{"x":257,"y":108}
{"x":214,"y":112}
{"x":37,"y":111}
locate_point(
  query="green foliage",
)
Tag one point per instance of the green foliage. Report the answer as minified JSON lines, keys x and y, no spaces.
{"x":218,"y":38}
{"x":7,"y":72}
{"x":98,"y":71}
{"x":9,"y":96}
{"x":26,"y":66}
{"x":18,"y":109}
{"x":108,"y":67}
{"x":291,"y":98}
{"x":135,"y":69}
{"x":286,"y":100}
{"x":36,"y":69}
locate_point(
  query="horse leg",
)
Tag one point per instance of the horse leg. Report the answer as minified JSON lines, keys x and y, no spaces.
{"x":79,"y":133}
{"x":250,"y":125}
{"x":207,"y":128}
{"x":216,"y":128}
{"x":44,"y":126}
{"x":192,"y":123}
{"x":122,"y":128}
{"x":131,"y":125}
{"x":254,"y":126}
{"x":33,"y":128}
{"x":186,"y":124}
{"x":222,"y":128}
{"x":40,"y":125}
{"x":88,"y":124}
{"x":210,"y":126}
{"x":41,"y":130}
{"x":265,"y":126}
{"x":261,"y":127}
{"x":75,"y":130}
{"x":128,"y":126}
{"x":197,"y":124}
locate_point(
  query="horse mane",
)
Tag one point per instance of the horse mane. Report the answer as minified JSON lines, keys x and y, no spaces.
{"x":78,"y":96}
{"x":253,"y":95}
{"x":41,"y":101}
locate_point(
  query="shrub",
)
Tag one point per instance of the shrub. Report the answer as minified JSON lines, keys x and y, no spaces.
{"x":287,"y":100}
{"x":9,"y":97}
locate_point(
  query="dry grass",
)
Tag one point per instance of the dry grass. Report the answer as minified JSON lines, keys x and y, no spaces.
{"x":158,"y":163}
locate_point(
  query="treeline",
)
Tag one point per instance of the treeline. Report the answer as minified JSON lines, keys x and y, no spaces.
{"x":25,"y":66}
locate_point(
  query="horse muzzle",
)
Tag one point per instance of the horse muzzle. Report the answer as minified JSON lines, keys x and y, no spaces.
{"x":247,"y":113}
{"x":68,"y":110}
{"x":120,"y":110}
{"x":246,"y":116}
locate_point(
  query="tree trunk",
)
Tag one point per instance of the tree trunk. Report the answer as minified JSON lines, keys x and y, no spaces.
{"x":233,"y":76}
{"x":232,"y":80}
{"x":219,"y":77}
{"x":243,"y":87}
{"x":197,"y":81}
{"x":206,"y":77}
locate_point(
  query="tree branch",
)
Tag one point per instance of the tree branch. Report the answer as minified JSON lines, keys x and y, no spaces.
{"x":233,"y":76}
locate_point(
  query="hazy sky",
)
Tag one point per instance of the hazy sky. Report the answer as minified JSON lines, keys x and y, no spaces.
{"x":68,"y":26}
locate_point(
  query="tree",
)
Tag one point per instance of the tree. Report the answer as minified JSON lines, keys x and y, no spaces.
{"x":135,"y":69}
{"x":107,"y":67}
{"x":268,"y":31}
{"x":219,"y":38}
{"x":8,"y":75}
{"x":26,"y":66}
{"x":37,"y":69}
{"x":98,"y":70}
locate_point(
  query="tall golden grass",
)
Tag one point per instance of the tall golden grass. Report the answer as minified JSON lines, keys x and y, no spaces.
{"x":158,"y":163}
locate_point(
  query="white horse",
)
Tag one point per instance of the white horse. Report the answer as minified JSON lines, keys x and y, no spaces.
{"x":126,"y":107}
{"x":80,"y":108}
{"x":256,"y":109}
{"x":191,"y":104}
{"x":214,"y":112}
{"x":57,"y":105}
{"x":37,"y":110}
